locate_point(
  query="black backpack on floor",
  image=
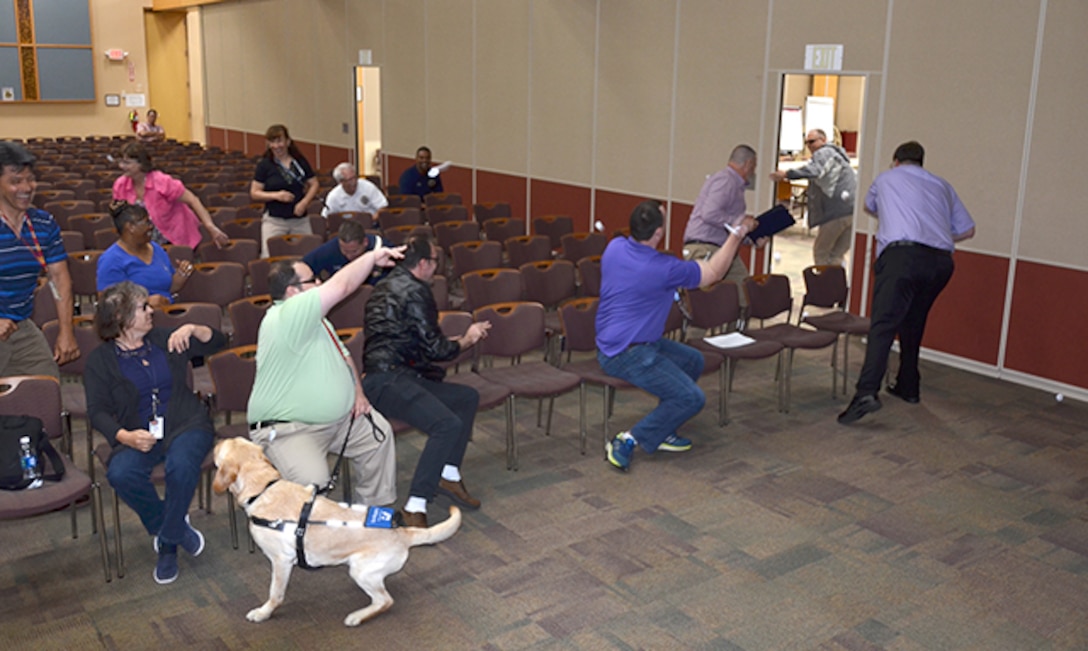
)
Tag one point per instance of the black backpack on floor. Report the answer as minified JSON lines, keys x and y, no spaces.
{"x":12,"y":429}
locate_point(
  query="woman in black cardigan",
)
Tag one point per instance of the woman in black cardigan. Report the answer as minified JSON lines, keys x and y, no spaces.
{"x":138,"y":397}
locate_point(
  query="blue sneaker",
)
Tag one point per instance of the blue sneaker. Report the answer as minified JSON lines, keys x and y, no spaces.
{"x":675,"y":443}
{"x":620,"y":450}
{"x":166,"y":570}
{"x":192,"y":540}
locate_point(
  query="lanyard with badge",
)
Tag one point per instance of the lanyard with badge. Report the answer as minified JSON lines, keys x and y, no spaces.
{"x":36,"y":251}
{"x":157,"y":424}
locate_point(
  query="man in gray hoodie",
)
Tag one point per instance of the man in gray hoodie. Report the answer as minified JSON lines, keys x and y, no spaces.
{"x":832,"y":185}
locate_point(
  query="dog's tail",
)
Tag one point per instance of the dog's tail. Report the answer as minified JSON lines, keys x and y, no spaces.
{"x":436,"y":533}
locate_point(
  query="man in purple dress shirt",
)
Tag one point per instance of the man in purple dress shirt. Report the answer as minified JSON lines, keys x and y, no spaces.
{"x":920,"y":219}
{"x":721,"y":202}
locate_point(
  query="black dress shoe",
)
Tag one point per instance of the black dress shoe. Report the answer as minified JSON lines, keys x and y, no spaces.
{"x":893,"y":389}
{"x":859,"y":406}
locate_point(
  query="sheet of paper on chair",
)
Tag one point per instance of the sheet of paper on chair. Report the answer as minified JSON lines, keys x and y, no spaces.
{"x":731,"y":340}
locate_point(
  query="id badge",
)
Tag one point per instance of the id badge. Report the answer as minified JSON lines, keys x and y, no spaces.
{"x":156,"y":427}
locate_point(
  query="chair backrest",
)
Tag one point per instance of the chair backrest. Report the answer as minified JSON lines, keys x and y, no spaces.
{"x":33,"y":395}
{"x":215,"y":282}
{"x":233,"y":371}
{"x":258,"y":272}
{"x":488,"y":286}
{"x":554,"y":227}
{"x":390,"y":217}
{"x":355,"y":341}
{"x":293,"y":244}
{"x":398,"y":235}
{"x":86,"y":339}
{"x":45,"y":306}
{"x":350,"y":312}
{"x":455,"y":324}
{"x":223,"y":214}
{"x":527,"y":248}
{"x":78,"y":185}
{"x":674,"y":322}
{"x":440,"y":289}
{"x":338,"y":218}
{"x":443,"y":199}
{"x":578,"y":319}
{"x":590,"y":270}
{"x":470,"y":256}
{"x":248,"y":228}
{"x":500,"y":229}
{"x":178,"y":252}
{"x":714,"y":306}
{"x":825,"y":286}
{"x":488,"y":210}
{"x":89,"y":223}
{"x":516,"y":329}
{"x":548,"y":282}
{"x":404,"y":201}
{"x":451,"y":232}
{"x":768,"y":296}
{"x":236,"y":250}
{"x":205,"y":189}
{"x":62,"y":211}
{"x":83,"y":268}
{"x":245,"y":315}
{"x":318,"y":225}
{"x":72,"y":240}
{"x":580,"y":245}
{"x":178,"y":314}
{"x":236,"y":199}
{"x":43,"y":197}
{"x":441,"y":213}
{"x":104,"y":237}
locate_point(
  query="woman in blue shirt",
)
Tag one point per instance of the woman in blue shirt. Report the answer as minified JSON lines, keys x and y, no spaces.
{"x":135,"y":257}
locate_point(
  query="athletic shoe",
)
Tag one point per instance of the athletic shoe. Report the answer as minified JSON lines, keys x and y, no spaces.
{"x":192,"y":541}
{"x":166,"y":570}
{"x":675,"y":443}
{"x":620,"y":450}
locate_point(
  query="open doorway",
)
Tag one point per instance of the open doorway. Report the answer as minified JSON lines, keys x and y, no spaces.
{"x":834,"y":104}
{"x":166,"y":39}
{"x":368,"y":122}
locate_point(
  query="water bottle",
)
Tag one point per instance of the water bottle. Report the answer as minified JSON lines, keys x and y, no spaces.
{"x":30,"y":464}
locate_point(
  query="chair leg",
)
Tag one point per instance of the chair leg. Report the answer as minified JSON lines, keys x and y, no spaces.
{"x":835,"y":369}
{"x":723,"y":414}
{"x":551,"y":408}
{"x":540,"y":413}
{"x":723,"y":388}
{"x":233,"y":517}
{"x":509,"y":409}
{"x":582,"y":414}
{"x":845,"y":363}
{"x":787,"y":376}
{"x":608,"y":396}
{"x":97,"y":518}
{"x":118,"y":551}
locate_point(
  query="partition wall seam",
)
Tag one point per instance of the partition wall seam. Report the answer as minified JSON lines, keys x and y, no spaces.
{"x":767,"y":39}
{"x":593,"y":128}
{"x":1025,"y":160}
{"x":672,"y":122}
{"x":426,"y":79}
{"x":475,"y":91}
{"x":529,"y":117}
{"x":878,"y":141}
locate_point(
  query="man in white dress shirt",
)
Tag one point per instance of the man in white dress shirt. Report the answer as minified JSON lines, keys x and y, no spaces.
{"x":353,"y":194}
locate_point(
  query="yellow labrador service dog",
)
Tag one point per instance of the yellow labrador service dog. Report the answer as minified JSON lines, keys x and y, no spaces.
{"x":334,"y":535}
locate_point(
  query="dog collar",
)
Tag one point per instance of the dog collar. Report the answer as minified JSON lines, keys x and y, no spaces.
{"x":258,"y":495}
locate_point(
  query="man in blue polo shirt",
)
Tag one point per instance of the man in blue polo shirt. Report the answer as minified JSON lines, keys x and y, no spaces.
{"x":351,"y":241}
{"x":417,"y":180}
{"x":638,"y":286}
{"x":30,"y":244}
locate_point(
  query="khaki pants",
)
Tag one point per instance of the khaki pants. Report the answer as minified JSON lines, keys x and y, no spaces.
{"x":26,"y":352}
{"x":737,"y":271}
{"x":273,"y":226}
{"x":300,"y":452}
{"x":833,"y":240}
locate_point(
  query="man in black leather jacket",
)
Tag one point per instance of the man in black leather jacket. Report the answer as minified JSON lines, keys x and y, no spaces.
{"x":403,"y":342}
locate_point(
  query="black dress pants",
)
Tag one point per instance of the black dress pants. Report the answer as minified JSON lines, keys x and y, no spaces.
{"x":445,"y":412}
{"x":909,"y":277}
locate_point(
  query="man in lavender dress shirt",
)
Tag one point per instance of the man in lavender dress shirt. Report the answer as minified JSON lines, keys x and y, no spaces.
{"x":721,"y":202}
{"x":920,"y":219}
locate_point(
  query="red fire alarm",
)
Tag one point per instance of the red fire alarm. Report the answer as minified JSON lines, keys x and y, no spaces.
{"x":116,"y":54}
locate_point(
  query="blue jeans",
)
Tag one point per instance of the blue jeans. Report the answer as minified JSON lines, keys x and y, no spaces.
{"x":668,"y":370}
{"x":129,"y":473}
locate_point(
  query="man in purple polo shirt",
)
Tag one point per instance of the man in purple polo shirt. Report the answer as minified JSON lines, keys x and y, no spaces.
{"x":720,"y":202}
{"x":920,"y":219}
{"x":638,"y":286}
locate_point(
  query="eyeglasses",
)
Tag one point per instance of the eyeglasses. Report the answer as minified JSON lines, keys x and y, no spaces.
{"x":810,"y":142}
{"x":300,"y":283}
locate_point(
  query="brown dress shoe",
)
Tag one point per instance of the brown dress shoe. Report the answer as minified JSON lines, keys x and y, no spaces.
{"x":412,"y":519}
{"x":456,"y":491}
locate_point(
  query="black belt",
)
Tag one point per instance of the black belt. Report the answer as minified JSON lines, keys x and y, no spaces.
{"x":932,"y":249}
{"x":261,"y":424}
{"x":702,"y":242}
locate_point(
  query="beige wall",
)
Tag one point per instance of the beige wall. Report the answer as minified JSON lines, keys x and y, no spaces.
{"x":114,"y":24}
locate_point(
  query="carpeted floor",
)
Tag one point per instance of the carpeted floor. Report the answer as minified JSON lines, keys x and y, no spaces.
{"x":959,"y":523}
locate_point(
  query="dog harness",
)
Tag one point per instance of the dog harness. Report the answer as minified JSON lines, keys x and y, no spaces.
{"x":376,"y":516}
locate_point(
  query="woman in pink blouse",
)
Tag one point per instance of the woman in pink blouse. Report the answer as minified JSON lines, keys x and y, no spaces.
{"x":175,"y":211}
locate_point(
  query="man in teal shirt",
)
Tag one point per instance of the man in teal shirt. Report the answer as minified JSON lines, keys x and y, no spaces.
{"x":307,"y":396}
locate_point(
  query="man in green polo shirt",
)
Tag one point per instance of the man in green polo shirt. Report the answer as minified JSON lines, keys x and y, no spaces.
{"x":307,"y":392}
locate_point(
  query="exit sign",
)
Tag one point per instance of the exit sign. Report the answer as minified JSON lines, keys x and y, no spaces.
{"x":824,"y":58}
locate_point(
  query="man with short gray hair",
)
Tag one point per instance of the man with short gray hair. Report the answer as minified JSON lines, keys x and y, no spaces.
{"x":353,"y":194}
